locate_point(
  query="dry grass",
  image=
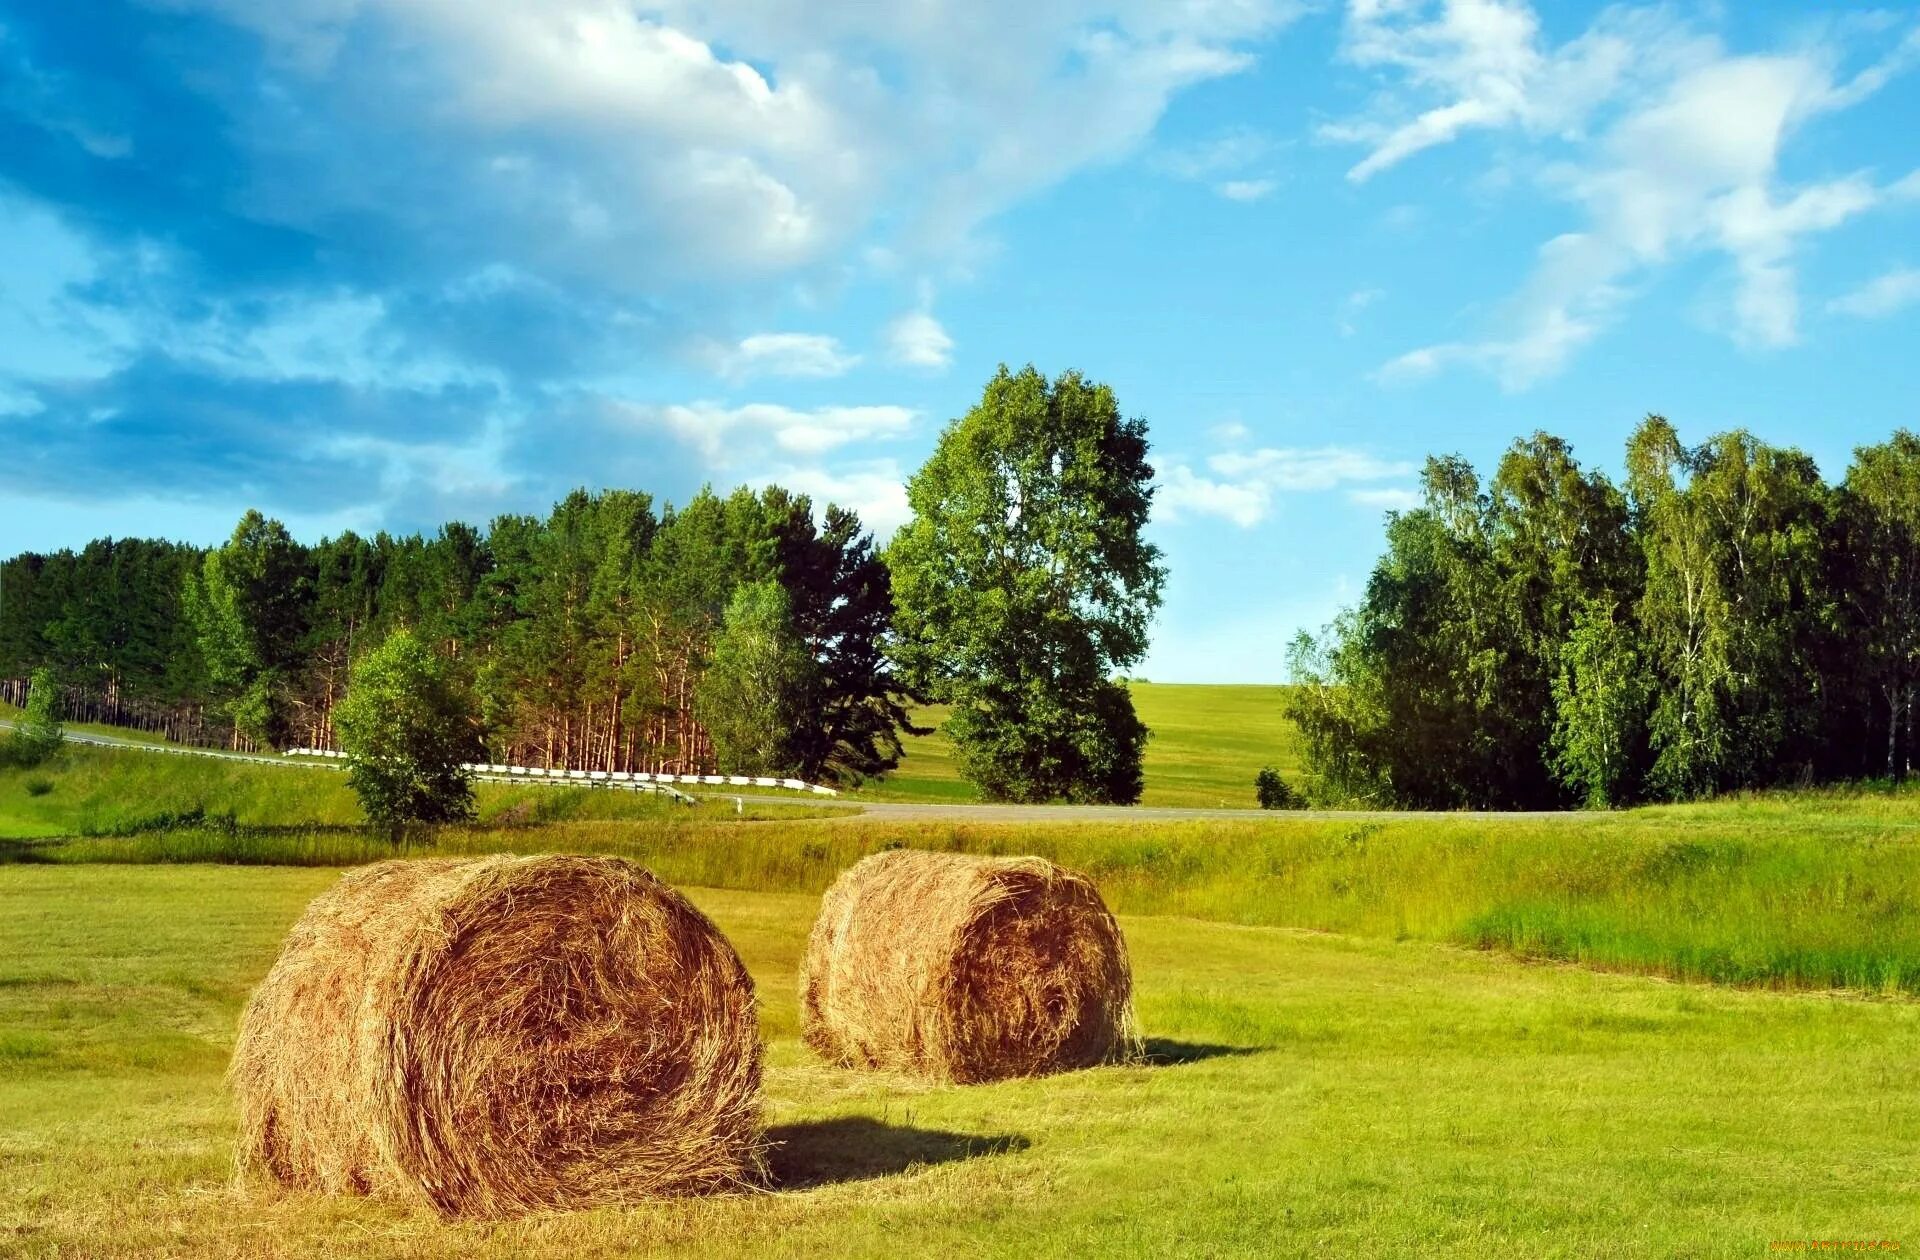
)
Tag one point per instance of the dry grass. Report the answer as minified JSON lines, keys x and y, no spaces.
{"x":966,"y":969}
{"x":502,"y":1035}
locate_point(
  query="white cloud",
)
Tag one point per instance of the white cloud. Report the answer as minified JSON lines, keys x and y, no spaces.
{"x":690,"y":138}
{"x":1482,"y":65}
{"x":876,"y":489}
{"x":811,"y":355}
{"x":1881,"y":296}
{"x":1183,"y":492}
{"x":1246,"y":189}
{"x":1689,"y":165}
{"x":916,"y":339}
{"x":1240,"y":486}
{"x":730,"y":436}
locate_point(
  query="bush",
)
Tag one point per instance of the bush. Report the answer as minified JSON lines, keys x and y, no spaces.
{"x":38,"y":734}
{"x":406,"y":726}
{"x":38,"y":786}
{"x":1273,"y":792}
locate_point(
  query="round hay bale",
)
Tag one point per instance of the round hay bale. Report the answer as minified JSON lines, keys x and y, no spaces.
{"x":502,"y":1035}
{"x":966,"y":969}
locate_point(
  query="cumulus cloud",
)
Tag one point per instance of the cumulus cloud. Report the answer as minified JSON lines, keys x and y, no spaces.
{"x":916,"y":339}
{"x":367,"y":203}
{"x":732,"y":436}
{"x":806,"y":355}
{"x":876,"y":489}
{"x":1686,"y":161}
{"x":1881,"y":296}
{"x":1241,"y":486}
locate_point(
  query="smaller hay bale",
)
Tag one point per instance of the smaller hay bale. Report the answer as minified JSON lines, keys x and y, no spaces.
{"x":966,"y":969}
{"x":502,"y":1035}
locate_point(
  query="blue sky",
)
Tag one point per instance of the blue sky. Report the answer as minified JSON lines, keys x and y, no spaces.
{"x":379,"y":263}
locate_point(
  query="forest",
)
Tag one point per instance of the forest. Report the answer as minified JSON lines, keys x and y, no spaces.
{"x":612,"y":634}
{"x":1724,"y":620}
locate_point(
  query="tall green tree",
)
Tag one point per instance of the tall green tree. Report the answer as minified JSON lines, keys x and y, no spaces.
{"x":1735,"y":604}
{"x":758,"y":683}
{"x":1879,"y":514}
{"x":1601,"y":692}
{"x":1023,"y":583}
{"x":407,"y":724}
{"x":249,"y":606}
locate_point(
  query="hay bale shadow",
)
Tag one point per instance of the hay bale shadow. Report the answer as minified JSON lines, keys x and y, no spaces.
{"x":1164,"y":1052}
{"x":856,"y":1148}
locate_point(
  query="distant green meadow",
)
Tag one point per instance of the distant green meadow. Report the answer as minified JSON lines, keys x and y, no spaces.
{"x":1206,"y":745}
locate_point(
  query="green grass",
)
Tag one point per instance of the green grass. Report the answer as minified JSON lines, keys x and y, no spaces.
{"x":1316,"y":1095}
{"x":1207,"y":744}
{"x":105,"y":803}
{"x":1814,"y":890}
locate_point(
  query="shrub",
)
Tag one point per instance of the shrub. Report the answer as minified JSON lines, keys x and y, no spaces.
{"x":1273,"y":792}
{"x":407,"y":726}
{"x":38,"y":734}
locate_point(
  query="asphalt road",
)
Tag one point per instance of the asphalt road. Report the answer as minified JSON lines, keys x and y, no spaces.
{"x":909,"y":811}
{"x":916,"y":810}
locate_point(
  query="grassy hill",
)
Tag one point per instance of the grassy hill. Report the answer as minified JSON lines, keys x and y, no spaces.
{"x":1208,"y":742}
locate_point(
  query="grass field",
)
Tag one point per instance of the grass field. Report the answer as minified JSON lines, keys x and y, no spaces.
{"x":1316,"y":1095}
{"x":1207,"y":743}
{"x":1816,"y":890}
{"x":1369,"y":1037}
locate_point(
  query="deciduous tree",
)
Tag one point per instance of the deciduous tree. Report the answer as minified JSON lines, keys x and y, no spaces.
{"x":1023,"y":583}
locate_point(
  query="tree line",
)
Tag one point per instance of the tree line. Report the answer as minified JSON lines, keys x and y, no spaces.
{"x":1724,"y":619}
{"x":735,"y":633}
{"x":608,"y":635}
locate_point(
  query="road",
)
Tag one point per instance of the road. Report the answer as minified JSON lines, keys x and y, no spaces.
{"x":917,"y":811}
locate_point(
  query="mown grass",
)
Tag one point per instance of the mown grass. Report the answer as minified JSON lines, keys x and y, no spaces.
{"x":1208,"y":742}
{"x":1313,"y":1095}
{"x":1816,"y":890}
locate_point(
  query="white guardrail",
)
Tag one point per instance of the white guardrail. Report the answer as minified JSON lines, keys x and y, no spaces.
{"x":605,"y":777}
{"x":634,"y":781}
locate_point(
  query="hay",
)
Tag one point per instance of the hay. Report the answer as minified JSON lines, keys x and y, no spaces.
{"x":966,"y":969}
{"x":499,"y":1036}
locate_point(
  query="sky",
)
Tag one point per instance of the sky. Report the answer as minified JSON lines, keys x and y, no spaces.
{"x":377,"y":264}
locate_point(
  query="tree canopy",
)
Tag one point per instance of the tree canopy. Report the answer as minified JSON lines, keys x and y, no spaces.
{"x":1726,"y":620}
{"x":407,"y":726}
{"x":1023,"y":583}
{"x":584,"y":634}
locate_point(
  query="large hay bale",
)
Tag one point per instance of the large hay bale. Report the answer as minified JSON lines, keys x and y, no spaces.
{"x":966,"y":969}
{"x":502,"y":1035}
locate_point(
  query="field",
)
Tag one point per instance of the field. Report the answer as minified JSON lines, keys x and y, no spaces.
{"x":1208,"y":742}
{"x":1314,"y":1095}
{"x":1679,"y":1031}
